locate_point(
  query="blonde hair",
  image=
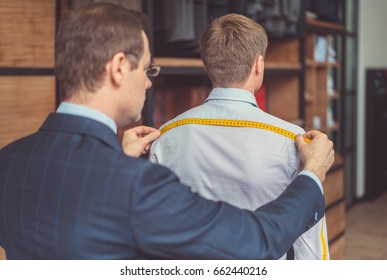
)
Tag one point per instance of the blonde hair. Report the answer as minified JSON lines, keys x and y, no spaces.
{"x":229,"y":47}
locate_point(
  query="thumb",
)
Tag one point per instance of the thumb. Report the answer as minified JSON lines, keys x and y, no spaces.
{"x":300,"y":141}
{"x":151,"y":137}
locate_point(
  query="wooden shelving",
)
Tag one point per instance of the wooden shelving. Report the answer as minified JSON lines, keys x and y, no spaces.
{"x":319,"y":64}
{"x":179,"y":66}
{"x":329,"y":26}
{"x":283,"y":72}
{"x":323,"y":95}
{"x":178,"y":62}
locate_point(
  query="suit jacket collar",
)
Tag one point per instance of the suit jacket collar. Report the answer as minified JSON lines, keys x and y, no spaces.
{"x":58,"y":122}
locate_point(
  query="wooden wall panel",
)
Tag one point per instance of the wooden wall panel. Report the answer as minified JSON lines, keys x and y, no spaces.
{"x":27,"y":31}
{"x":334,"y":186}
{"x":2,"y":254}
{"x":25,"y":102}
{"x":283,"y":53}
{"x":282,"y":96}
{"x":337,"y":249}
{"x":335,"y":221}
{"x":336,"y":231}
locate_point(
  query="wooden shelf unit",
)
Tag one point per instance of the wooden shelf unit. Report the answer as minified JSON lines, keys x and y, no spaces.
{"x":323,"y":93}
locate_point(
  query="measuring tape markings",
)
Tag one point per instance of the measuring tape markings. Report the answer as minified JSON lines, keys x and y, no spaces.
{"x":323,"y":242}
{"x":232,"y":123}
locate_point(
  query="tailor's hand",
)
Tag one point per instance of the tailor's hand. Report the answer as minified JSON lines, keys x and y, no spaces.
{"x":137,"y":140}
{"x":318,"y":155}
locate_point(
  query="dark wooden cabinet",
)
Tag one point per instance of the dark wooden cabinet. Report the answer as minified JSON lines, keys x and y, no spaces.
{"x":376,"y":132}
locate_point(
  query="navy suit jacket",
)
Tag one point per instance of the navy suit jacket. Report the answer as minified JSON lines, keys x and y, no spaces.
{"x":69,"y":192}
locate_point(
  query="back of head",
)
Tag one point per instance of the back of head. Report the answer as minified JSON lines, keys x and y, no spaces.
{"x":229,"y":48}
{"x":88,"y":38}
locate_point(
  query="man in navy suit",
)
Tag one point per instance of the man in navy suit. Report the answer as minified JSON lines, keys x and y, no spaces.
{"x":73,"y":191}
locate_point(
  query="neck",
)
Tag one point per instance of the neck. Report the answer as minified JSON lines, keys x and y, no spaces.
{"x":97,"y":101}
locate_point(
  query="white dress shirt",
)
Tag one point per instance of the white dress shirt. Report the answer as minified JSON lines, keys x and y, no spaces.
{"x":246,"y":167}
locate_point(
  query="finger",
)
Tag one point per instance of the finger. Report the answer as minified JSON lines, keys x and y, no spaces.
{"x":300,"y":141}
{"x":147,"y":147}
{"x":143,"y":129}
{"x":332,"y":156}
{"x":313,"y":133}
{"x":150,"y":137}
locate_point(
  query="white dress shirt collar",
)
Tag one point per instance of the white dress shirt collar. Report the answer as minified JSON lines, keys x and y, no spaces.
{"x":234,"y":94}
{"x":83,"y":111}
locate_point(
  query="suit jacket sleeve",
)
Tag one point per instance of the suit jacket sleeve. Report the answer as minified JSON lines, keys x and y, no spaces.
{"x":169,"y":221}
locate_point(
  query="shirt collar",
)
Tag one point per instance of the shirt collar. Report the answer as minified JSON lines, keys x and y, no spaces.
{"x":232,"y":94}
{"x":83,"y":111}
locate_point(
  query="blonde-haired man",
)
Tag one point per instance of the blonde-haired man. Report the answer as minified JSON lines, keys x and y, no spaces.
{"x":246,"y":167}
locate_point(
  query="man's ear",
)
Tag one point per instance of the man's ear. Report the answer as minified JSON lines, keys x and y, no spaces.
{"x":260,"y":64}
{"x":117,"y":68}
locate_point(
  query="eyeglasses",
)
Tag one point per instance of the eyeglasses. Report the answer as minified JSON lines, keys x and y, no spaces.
{"x":152,"y":70}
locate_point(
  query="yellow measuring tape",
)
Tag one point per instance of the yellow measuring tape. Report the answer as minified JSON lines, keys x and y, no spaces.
{"x":323,"y":242}
{"x":234,"y":123}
